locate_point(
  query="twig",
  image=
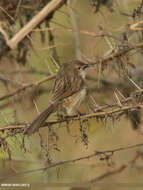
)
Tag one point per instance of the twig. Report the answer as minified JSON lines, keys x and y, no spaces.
{"x":4,"y":34}
{"x":27,"y":86}
{"x":33,"y":95}
{"x":108,"y":173}
{"x":117,"y":54}
{"x":52,"y":46}
{"x":94,"y":154}
{"x":17,"y":9}
{"x":121,"y":168}
{"x":48,"y":9}
{"x":7,"y":14}
{"x":137,"y":26}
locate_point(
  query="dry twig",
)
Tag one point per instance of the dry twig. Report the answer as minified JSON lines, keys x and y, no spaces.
{"x":10,"y":94}
{"x":94,"y":154}
{"x":48,"y":9}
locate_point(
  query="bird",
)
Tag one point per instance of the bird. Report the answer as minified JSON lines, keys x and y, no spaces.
{"x":70,"y":80}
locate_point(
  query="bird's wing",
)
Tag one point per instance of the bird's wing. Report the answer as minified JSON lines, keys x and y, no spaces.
{"x":65,"y":87}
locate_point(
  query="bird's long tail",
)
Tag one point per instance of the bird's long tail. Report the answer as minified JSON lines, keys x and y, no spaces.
{"x":40,"y":119}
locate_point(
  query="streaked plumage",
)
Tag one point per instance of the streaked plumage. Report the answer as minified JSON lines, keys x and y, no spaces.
{"x":69,"y":81}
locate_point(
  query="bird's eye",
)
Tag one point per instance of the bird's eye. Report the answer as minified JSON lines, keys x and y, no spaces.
{"x":79,"y":68}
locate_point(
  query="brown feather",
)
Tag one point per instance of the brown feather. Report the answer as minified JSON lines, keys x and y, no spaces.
{"x":40,"y":119}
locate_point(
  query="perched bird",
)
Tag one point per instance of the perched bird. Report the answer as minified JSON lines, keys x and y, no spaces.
{"x":70,"y":80}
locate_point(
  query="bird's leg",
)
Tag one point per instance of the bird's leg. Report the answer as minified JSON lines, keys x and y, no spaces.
{"x":61,"y":112}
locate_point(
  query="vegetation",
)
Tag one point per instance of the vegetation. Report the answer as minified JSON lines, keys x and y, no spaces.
{"x":104,"y":142}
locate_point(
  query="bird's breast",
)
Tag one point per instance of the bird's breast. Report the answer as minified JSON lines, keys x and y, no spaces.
{"x":83,"y":74}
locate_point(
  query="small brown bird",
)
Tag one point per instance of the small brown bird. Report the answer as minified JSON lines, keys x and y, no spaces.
{"x":70,"y":80}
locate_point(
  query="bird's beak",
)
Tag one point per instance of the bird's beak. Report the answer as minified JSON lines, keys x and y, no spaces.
{"x":85,"y":66}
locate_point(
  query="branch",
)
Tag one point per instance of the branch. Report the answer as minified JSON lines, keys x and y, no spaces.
{"x":102,"y":34}
{"x":27,"y":86}
{"x":97,"y":114}
{"x":108,"y":173}
{"x":4,"y":34}
{"x":47,"y":10}
{"x":118,"y":54}
{"x":119,"y":169}
{"x":137,"y":26}
{"x":94,"y":154}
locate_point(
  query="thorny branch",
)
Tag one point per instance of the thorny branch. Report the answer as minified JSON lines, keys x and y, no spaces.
{"x":103,"y":113}
{"x":99,"y":114}
{"x":100,"y":61}
{"x":118,"y":54}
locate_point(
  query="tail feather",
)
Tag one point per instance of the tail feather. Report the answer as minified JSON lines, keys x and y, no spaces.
{"x":40,"y":119}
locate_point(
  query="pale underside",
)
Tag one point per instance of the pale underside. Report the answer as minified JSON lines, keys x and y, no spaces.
{"x":71,"y":105}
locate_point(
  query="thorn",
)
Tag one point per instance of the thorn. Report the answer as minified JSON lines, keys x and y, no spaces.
{"x":120,"y":94}
{"x":54,"y":61}
{"x":36,"y":106}
{"x":134,"y":84}
{"x":49,"y":68}
{"x":117,"y":98}
{"x":94,"y":102}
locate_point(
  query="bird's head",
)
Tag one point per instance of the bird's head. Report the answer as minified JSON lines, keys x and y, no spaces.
{"x":81,"y":68}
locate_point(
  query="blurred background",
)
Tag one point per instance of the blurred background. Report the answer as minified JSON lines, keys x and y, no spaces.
{"x":90,"y":30}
